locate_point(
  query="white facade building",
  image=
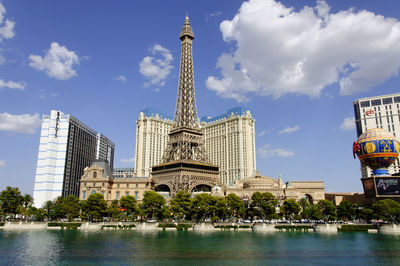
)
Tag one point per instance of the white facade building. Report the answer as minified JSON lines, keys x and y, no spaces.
{"x":229,"y":142}
{"x":66,"y":147}
{"x":152,"y":128}
{"x":378,"y":112}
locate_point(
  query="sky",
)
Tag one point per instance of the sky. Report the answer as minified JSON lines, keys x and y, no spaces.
{"x":298,"y":66}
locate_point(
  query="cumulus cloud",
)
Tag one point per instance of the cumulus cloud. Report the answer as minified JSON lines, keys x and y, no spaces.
{"x":20,"y":85}
{"x":157,"y":67}
{"x":58,"y":62}
{"x":25,"y":123}
{"x":6,"y":26}
{"x":128,"y":160}
{"x":348,"y":124}
{"x":289,"y":130}
{"x":268,"y":151}
{"x":121,"y":78}
{"x":2,"y":164}
{"x":280,"y":50}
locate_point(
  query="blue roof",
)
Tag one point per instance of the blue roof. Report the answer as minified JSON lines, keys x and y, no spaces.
{"x":237,"y":111}
{"x":152,"y":112}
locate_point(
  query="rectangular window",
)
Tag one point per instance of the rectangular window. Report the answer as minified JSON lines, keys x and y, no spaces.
{"x":127,"y":193}
{"x":376,"y":102}
{"x":136,"y":195}
{"x":387,"y":100}
{"x":397,"y":99}
{"x":84,"y":195}
{"x":137,"y":185}
{"x":117,"y":195}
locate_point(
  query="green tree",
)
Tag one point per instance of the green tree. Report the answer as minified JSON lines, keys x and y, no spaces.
{"x":10,"y":200}
{"x":365,"y":214}
{"x":180,"y":205}
{"x":290,"y":208}
{"x":346,"y":210}
{"x":129,"y":204}
{"x":312,"y":212}
{"x":201,"y":209}
{"x":48,"y":207}
{"x":388,"y":210}
{"x":28,"y":200}
{"x":263,"y":205}
{"x":152,"y":205}
{"x":58,"y":211}
{"x":304,"y":203}
{"x":113,"y":210}
{"x":235,"y":206}
{"x":219,"y":208}
{"x":328,"y":210}
{"x":70,"y":207}
{"x":94,"y":208}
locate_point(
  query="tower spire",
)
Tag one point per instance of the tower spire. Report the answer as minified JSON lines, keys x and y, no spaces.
{"x":186,"y":110}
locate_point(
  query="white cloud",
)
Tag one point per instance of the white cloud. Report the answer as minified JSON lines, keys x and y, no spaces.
{"x":20,"y":85}
{"x":268,"y":151}
{"x":2,"y":164}
{"x":57,"y":63}
{"x":121,"y":78}
{"x":6,"y":26}
{"x":348,"y":124}
{"x":128,"y":160}
{"x":25,"y":123}
{"x":289,"y":130}
{"x":279,"y":50}
{"x":262,"y":133}
{"x":157,"y":67}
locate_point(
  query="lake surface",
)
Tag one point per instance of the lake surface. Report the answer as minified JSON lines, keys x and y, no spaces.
{"x":73,"y":247}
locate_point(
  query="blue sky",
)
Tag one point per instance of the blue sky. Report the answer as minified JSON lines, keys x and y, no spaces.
{"x":298,"y":65}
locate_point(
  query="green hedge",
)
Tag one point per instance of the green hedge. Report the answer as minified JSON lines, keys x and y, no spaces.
{"x":64,"y":225}
{"x":167,"y":225}
{"x":2,"y":223}
{"x":356,"y":227}
{"x":232,"y":226}
{"x":119,"y":226}
{"x":183,"y":227}
{"x":294,"y":228}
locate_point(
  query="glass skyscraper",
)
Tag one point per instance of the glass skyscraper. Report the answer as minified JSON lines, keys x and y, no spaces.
{"x":66,"y":147}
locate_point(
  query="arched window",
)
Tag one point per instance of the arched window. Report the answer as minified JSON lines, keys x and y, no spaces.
{"x":84,"y":195}
{"x":93,"y":191}
{"x":94,"y":174}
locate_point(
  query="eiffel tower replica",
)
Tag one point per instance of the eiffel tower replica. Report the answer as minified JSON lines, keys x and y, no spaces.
{"x":185,"y":165}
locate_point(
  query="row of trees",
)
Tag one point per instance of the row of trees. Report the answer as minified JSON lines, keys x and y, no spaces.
{"x":202,"y":207}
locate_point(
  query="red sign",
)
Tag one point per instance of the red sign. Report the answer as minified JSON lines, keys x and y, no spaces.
{"x":369,"y":112}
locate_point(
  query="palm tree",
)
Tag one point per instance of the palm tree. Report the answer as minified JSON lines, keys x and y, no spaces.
{"x":48,"y":206}
{"x":28,"y":200}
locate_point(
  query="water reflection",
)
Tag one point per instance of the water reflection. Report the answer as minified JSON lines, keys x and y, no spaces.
{"x":72,"y":247}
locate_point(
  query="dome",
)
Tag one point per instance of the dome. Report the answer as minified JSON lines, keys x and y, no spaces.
{"x":216,"y":188}
{"x":378,"y":149}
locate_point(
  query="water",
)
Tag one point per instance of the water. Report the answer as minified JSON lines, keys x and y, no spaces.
{"x":73,"y":247}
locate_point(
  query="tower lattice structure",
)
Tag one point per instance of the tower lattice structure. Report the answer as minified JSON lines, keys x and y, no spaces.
{"x":185,"y":165}
{"x":186,"y":141}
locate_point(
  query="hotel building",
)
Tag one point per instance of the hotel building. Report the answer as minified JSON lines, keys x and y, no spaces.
{"x":378,"y":112}
{"x":66,"y":147}
{"x":229,"y":142}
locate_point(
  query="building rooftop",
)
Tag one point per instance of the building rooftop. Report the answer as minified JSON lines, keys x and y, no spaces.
{"x":236,"y":111}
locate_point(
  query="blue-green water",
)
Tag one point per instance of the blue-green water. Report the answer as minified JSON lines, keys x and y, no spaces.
{"x":72,"y":247}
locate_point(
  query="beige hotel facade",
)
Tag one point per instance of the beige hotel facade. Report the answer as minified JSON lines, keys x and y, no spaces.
{"x":229,"y":142}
